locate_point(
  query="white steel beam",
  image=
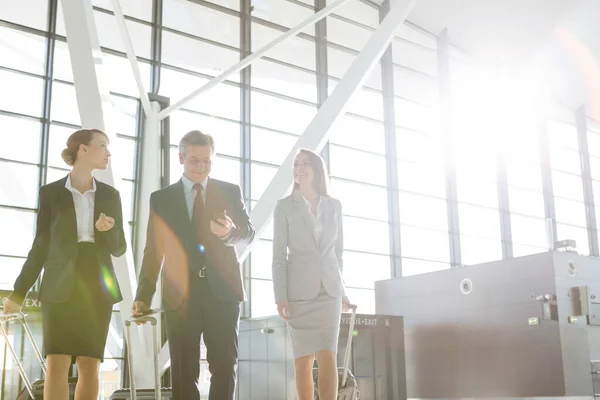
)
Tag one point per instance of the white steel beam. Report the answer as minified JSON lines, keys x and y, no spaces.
{"x":95,"y":109}
{"x":248,"y":60}
{"x":316,"y":134}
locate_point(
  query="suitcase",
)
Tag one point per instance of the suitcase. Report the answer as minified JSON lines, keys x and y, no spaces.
{"x":347,"y":385}
{"x":32,"y":390}
{"x":132,"y":393}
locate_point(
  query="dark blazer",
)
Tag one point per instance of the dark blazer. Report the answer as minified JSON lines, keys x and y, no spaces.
{"x":55,"y":244}
{"x":171,"y":244}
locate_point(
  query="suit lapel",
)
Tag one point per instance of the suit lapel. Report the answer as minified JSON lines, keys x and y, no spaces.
{"x":301,"y":207}
{"x":67,"y":206}
{"x":181,"y":218}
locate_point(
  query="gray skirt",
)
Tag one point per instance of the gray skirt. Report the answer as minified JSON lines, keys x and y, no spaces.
{"x":314,"y":325}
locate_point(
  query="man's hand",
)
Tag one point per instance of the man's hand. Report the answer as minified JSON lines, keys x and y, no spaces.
{"x":105,"y":223}
{"x":10,"y":307}
{"x":222,"y":226}
{"x":137,"y":310}
{"x":283,"y":310}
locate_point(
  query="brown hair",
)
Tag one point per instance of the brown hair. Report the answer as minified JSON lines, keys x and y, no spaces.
{"x":317,"y":163}
{"x":196,"y":138}
{"x":82,"y":136}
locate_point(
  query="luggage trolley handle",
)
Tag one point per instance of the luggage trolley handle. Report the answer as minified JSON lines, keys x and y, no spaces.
{"x":146,"y":317}
{"x":21,"y":317}
{"x":349,"y":344}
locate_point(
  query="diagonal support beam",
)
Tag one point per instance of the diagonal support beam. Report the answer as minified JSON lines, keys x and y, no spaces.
{"x":95,"y":109}
{"x":248,"y":60}
{"x":316,"y":134}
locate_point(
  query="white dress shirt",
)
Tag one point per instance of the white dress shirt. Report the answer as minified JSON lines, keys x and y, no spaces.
{"x":84,"y":211}
{"x":317,"y":220}
{"x":190,"y":193}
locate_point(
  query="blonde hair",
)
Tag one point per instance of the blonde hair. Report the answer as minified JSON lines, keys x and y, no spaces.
{"x":196,"y":138}
{"x":82,"y":136}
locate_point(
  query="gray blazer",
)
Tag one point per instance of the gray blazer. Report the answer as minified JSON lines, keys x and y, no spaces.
{"x":300,"y":263}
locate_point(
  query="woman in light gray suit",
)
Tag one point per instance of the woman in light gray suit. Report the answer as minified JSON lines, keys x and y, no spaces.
{"x":307,"y":266}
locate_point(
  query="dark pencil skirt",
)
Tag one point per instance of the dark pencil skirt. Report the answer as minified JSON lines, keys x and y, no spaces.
{"x":79,"y":326}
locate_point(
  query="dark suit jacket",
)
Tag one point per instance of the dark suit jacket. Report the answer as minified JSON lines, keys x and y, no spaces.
{"x":55,"y":244}
{"x":171,"y":243}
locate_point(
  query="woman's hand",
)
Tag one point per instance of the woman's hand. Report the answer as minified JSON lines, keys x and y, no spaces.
{"x":283,"y":310}
{"x":105,"y":223}
{"x":346,"y":304}
{"x":10,"y":307}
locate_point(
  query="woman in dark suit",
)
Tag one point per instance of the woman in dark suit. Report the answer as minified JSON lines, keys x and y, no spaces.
{"x":307,"y":274}
{"x":79,"y":227}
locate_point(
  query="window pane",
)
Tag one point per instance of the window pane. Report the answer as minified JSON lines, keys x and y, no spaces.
{"x":121,"y":75}
{"x":19,"y":185}
{"x":363,"y":270}
{"x":188,"y":17}
{"x":353,"y":195}
{"x":288,"y":81}
{"x":17,"y":240}
{"x":365,"y":235}
{"x":423,"y":211}
{"x":10,"y":268}
{"x":123,"y":158}
{"x":364,"y":102}
{"x":565,"y":160}
{"x":421,"y":179}
{"x":28,"y":143}
{"x":185,"y":52}
{"x":595,"y":167}
{"x":357,"y":11}
{"x":418,"y":147}
{"x":27,"y":93}
{"x":110,"y":36}
{"x":478,"y":221}
{"x":32,"y":13}
{"x":477,"y":191}
{"x":226,"y":169}
{"x":413,"y":86}
{"x":261,"y":177}
{"x":222,"y":100}
{"x":363,"y":298}
{"x":567,"y":186}
{"x":347,"y":34}
{"x":262,"y":299}
{"x":283,"y":13}
{"x":140,"y":9}
{"x":414,"y":57}
{"x":412,"y":267}
{"x":62,"y":62}
{"x":124,"y":115}
{"x":226,"y":134}
{"x":408,"y":32}
{"x":338,"y":63}
{"x":594,"y":142}
{"x":262,"y":259}
{"x":529,"y":231}
{"x":270,"y":147}
{"x":580,"y":235}
{"x":416,"y":116}
{"x":64,"y":104}
{"x":349,"y":131}
{"x":283,"y":115}
{"x":357,"y":165}
{"x":562,"y":134}
{"x":54,"y":174}
{"x":475,"y":250}
{"x":125,"y":189}
{"x":570,"y":212}
{"x":526,"y":202}
{"x":520,"y":250}
{"x":22,"y":51}
{"x":424,"y":243}
{"x":295,"y":50}
{"x":526,"y":176}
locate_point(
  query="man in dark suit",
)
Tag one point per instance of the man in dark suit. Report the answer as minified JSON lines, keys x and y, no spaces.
{"x":193,"y":227}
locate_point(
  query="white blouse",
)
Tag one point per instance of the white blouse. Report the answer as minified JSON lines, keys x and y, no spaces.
{"x":317,"y":221}
{"x":84,"y":211}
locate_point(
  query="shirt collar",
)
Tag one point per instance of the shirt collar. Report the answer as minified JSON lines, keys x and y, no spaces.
{"x":188,"y":184}
{"x":71,"y":189}
{"x":307,"y":203}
